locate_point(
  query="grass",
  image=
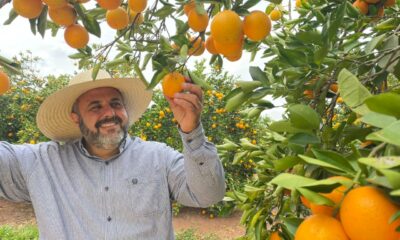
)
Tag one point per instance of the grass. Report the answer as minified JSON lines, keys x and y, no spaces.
{"x":26,"y":232}
{"x":30,"y":232}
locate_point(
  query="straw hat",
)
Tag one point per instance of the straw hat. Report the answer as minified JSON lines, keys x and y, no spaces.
{"x":53,"y":117}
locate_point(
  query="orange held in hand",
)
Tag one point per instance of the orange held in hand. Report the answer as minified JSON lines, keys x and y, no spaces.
{"x":366,"y":212}
{"x":76,"y":36}
{"x":4,"y":83}
{"x":172,"y":83}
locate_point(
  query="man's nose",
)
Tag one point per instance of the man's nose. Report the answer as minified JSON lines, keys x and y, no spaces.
{"x":109,"y":111}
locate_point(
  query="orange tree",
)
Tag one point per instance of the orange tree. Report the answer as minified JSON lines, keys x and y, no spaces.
{"x":326,"y":59}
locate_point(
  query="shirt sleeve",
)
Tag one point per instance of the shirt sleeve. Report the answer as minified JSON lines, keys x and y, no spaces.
{"x":15,"y":161}
{"x":196,"y":178}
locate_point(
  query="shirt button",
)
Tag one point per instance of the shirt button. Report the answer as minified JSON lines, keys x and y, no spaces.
{"x":201,"y":163}
{"x":106,"y":188}
{"x":107,"y":163}
{"x":109,"y":219}
{"x":189,"y":140}
{"x":134,"y":180}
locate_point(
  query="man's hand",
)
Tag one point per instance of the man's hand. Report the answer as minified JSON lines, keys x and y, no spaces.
{"x":187,"y":106}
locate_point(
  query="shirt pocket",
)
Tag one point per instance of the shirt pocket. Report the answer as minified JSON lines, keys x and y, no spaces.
{"x":147,"y":196}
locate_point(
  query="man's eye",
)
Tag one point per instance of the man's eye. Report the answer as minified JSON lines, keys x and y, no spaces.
{"x":94,"y":108}
{"x":116,"y":104}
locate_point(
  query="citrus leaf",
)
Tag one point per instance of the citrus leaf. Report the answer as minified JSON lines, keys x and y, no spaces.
{"x":334,"y":158}
{"x":42,"y":22}
{"x":236,"y":101}
{"x":303,"y":116}
{"x":377,"y":119}
{"x":393,"y":177}
{"x":258,"y":75}
{"x":374,"y":43}
{"x":353,"y":92}
{"x":386,"y":103}
{"x":285,"y":126}
{"x":315,"y":197}
{"x":158,"y":75}
{"x":389,"y":134}
{"x":323,"y":163}
{"x":285,"y":162}
{"x":304,"y":139}
{"x":381,"y":162}
{"x":291,"y":181}
{"x":199,"y":81}
{"x":11,"y":16}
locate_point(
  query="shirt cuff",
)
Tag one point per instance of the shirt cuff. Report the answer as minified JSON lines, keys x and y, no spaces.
{"x":194,"y":139}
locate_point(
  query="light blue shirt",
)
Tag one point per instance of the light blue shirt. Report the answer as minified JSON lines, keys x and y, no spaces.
{"x":79,"y":196}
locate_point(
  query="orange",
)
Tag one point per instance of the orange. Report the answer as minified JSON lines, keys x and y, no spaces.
{"x":275,"y":15}
{"x":63,"y":16}
{"x":228,"y":48}
{"x":4,"y":82}
{"x":320,"y":227}
{"x":76,"y":36}
{"x":227,"y":27}
{"x":197,"y":48}
{"x":198,"y":22}
{"x":336,"y":196}
{"x":275,"y":236}
{"x":371,"y":1}
{"x":109,"y":4}
{"x":28,"y":8}
{"x":210,"y":45}
{"x":137,"y":5}
{"x":56,"y":3}
{"x":137,"y":17}
{"x":235,"y":56}
{"x":117,"y":18}
{"x":188,"y":7}
{"x":309,"y":93}
{"x":339,"y":100}
{"x":362,"y":6}
{"x":365,"y":213}
{"x":172,"y":83}
{"x":333,"y":87}
{"x":389,"y":3}
{"x":256,"y":25}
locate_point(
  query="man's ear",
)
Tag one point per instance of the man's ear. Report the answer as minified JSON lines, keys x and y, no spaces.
{"x":74,"y":117}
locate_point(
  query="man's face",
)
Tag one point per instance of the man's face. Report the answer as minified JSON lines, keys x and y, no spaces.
{"x":102,"y":117}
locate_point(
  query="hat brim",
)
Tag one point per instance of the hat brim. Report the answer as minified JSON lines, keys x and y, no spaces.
{"x":54,"y":115}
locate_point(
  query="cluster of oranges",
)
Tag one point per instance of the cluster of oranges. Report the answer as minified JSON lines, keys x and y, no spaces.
{"x":228,"y":30}
{"x":4,"y":82}
{"x":63,"y":14}
{"x":362,"y":213}
{"x":363,"y":6}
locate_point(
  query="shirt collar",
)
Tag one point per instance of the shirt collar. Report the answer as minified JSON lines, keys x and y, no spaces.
{"x":125,"y":142}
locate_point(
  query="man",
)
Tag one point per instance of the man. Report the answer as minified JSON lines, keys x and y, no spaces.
{"x":93,"y":181}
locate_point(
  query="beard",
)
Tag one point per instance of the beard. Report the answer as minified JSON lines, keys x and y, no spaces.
{"x":108,"y":141}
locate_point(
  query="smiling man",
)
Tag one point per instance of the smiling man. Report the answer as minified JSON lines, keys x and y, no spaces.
{"x":93,"y":180}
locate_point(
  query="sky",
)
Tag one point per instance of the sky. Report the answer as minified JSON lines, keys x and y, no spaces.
{"x":53,"y":51}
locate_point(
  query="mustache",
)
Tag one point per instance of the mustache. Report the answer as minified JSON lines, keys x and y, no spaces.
{"x":114,"y":119}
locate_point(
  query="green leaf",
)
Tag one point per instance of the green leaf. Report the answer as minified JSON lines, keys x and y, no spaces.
{"x":95,"y":70}
{"x":291,"y":225}
{"x":320,"y":54}
{"x":139,"y":73}
{"x":248,"y":86}
{"x":11,"y":16}
{"x":239,"y":156}
{"x":315,"y":197}
{"x":333,"y":158}
{"x":386,"y":103}
{"x":387,"y":62}
{"x":293,"y":57}
{"x":291,"y":181}
{"x":164,"y":12}
{"x":88,"y":21}
{"x":42,"y":22}
{"x":304,"y":139}
{"x":250,"y":3}
{"x":389,"y":134}
{"x":353,"y":92}
{"x":310,"y":37}
{"x":258,"y":75}
{"x":337,"y":22}
{"x":32,"y":23}
{"x":157,"y":77}
{"x":324,"y":163}
{"x":236,"y":101}
{"x":393,"y":177}
{"x":286,"y":162}
{"x":303,"y":116}
{"x":377,"y":119}
{"x":374,"y":43}
{"x":395,"y":193}
{"x":285,"y":126}
{"x":199,"y":81}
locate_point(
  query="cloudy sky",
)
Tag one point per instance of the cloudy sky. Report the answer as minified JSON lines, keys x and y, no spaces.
{"x":17,"y":37}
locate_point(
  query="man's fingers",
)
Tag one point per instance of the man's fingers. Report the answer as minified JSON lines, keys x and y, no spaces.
{"x":194,"y":89}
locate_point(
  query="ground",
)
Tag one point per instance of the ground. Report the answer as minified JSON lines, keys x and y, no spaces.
{"x":225,"y":228}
